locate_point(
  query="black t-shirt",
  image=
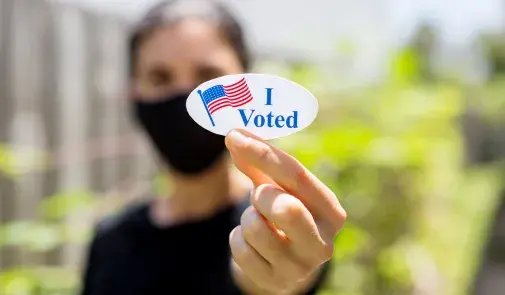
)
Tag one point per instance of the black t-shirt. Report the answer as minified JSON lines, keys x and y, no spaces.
{"x":131,"y":256}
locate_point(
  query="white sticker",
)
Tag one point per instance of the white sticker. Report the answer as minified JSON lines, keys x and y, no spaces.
{"x":265,"y":105}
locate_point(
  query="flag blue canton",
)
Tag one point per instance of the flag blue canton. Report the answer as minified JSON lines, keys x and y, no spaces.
{"x":213,"y":93}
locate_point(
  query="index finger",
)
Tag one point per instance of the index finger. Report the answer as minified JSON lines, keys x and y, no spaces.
{"x":288,"y":173}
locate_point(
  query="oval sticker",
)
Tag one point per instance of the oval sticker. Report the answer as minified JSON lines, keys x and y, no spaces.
{"x":265,"y":105}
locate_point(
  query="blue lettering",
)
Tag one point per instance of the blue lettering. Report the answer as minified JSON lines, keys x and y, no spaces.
{"x":271,"y":120}
{"x":279,"y":121}
{"x":259,"y":121}
{"x":270,"y":116}
{"x":292,"y":121}
{"x":269,"y":96}
{"x":244,"y":118}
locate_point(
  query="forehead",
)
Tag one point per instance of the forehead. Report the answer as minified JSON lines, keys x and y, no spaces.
{"x":191,"y":40}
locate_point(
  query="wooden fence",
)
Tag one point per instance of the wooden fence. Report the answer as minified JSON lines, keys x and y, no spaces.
{"x":62,"y":77}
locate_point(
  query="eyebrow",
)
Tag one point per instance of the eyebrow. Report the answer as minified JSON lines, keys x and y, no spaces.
{"x":210,"y":67}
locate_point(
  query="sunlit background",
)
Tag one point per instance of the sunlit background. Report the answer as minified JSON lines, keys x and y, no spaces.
{"x":411,"y":135}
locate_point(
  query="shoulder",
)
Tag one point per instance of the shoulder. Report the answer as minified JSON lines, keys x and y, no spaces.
{"x":120,"y":221}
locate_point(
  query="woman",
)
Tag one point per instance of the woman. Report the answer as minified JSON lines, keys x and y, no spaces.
{"x":215,"y":232}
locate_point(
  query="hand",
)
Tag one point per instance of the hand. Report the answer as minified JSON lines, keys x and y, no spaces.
{"x":288,"y":232}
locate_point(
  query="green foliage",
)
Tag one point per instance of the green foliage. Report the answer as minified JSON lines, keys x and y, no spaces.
{"x":405,"y":67}
{"x":494,"y":45}
{"x":18,"y":160}
{"x":51,"y":229}
{"x":39,"y":280}
{"x":64,"y":204}
{"x":396,"y":158}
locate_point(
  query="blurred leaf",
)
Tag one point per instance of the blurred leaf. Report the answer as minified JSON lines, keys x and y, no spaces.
{"x":32,"y":235}
{"x":65,"y":204}
{"x":393,"y":265}
{"x":43,"y":237}
{"x":3,"y":238}
{"x":350,"y":242}
{"x":57,"y":279}
{"x":349,"y":278}
{"x":77,"y":233}
{"x":14,"y":233}
{"x":305,"y":75}
{"x":16,"y":160}
{"x":6,"y":161}
{"x":39,"y":280}
{"x":405,"y":67}
{"x":17,"y":282}
{"x":347,"y":142}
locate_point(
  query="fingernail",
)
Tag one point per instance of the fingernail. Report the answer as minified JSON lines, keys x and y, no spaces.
{"x":235,"y":139}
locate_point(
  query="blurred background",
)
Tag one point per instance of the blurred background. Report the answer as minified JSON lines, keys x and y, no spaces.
{"x":411,"y":135}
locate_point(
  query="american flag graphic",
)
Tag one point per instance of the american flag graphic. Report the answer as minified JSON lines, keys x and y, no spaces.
{"x":221,"y":96}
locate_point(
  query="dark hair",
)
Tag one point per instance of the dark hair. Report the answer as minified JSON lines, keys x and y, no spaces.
{"x":170,"y":11}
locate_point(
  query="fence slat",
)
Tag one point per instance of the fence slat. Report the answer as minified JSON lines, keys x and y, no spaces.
{"x":7,"y":191}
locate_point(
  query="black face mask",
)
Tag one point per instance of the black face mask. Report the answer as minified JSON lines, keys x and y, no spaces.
{"x":184,"y":145}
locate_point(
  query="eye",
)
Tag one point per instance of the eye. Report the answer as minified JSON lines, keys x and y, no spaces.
{"x":207,"y":73}
{"x":160,"y":77}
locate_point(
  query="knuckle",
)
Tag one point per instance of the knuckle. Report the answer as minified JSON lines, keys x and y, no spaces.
{"x":241,"y":255}
{"x":292,"y":271}
{"x":237,"y":245}
{"x":338,"y":217}
{"x":280,"y":285}
{"x":262,"y":190}
{"x":338,"y":222}
{"x":265,"y":153}
{"x":289,"y":211}
{"x":251,"y":224}
{"x":319,"y":254}
{"x":325,"y":253}
{"x":300,"y":272}
{"x":301,"y":176}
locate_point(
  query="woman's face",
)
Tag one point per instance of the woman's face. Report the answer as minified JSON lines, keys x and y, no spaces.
{"x":179,"y":57}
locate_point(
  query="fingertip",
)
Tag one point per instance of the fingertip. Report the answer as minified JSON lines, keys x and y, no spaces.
{"x":233,"y":234}
{"x":235,"y":139}
{"x":245,"y":133}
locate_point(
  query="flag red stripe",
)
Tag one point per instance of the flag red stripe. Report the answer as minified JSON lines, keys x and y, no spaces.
{"x":225,"y":103}
{"x":241,"y":93}
{"x":237,"y":84}
{"x":237,"y":94}
{"x":219,"y":106}
{"x":242,"y":102}
{"x":238,"y":90}
{"x":218,"y":101}
{"x":217,"y":109}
